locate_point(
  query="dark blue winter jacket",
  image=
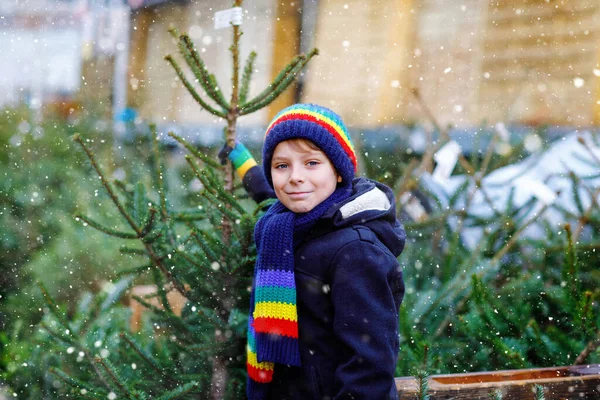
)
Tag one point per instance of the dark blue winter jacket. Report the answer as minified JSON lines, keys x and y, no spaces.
{"x":349,"y":289}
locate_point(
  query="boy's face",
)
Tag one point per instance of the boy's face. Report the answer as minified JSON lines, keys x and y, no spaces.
{"x":303,"y":177}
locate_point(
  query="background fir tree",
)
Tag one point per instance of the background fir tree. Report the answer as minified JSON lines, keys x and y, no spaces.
{"x":511,"y":301}
{"x":202,"y":249}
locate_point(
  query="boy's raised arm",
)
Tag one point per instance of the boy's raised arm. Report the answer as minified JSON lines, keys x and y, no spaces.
{"x":252,"y":176}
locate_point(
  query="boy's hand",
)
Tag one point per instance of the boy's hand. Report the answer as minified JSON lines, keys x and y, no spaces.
{"x":239,"y":156}
{"x":224,"y":153}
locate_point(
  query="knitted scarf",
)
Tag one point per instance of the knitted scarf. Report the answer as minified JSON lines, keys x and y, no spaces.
{"x":273,"y":318}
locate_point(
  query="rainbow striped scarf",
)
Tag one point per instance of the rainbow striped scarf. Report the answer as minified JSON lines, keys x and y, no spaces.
{"x":273,"y":318}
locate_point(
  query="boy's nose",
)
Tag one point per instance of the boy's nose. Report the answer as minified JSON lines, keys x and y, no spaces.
{"x":296,"y":176}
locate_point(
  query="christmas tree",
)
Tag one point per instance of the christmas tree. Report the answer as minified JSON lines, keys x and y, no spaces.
{"x":202,"y":250}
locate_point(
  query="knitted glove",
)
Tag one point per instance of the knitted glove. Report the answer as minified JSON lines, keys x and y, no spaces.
{"x":239,"y":156}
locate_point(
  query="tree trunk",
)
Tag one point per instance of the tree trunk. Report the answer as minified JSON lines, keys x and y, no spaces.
{"x":219,"y":373}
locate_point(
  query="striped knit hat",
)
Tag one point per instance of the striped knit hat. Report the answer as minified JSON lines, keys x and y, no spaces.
{"x":321,"y":126}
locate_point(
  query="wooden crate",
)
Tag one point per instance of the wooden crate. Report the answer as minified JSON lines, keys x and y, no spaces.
{"x":575,"y":382}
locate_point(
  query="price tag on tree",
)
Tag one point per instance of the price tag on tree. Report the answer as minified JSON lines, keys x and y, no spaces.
{"x":446,"y":159}
{"x":226,"y":18}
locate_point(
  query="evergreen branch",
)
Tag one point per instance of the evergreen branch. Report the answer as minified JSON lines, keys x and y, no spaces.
{"x":422,"y":378}
{"x":90,"y":316}
{"x":582,"y":141}
{"x":247,"y":76}
{"x":449,"y":316}
{"x":226,"y":196}
{"x":221,"y":207}
{"x":246,"y":261}
{"x":135,"y":271}
{"x":174,"y":32}
{"x":211,"y":183}
{"x":281,"y":87}
{"x":122,"y":186}
{"x":53,"y":307}
{"x":144,"y":355}
{"x":406,"y":182}
{"x":192,"y":261}
{"x":570,"y":273}
{"x":196,"y":64}
{"x":191,"y":89}
{"x":487,"y":158}
{"x":69,"y":380}
{"x":170,"y":317}
{"x":584,"y":312}
{"x":162,"y":293}
{"x":205,"y":247}
{"x":152,"y":237}
{"x":132,"y":251}
{"x":496,"y":394}
{"x":589,"y":349}
{"x":107,"y":185}
{"x":110,"y":372}
{"x":262,"y":205}
{"x":443,"y":132}
{"x":575,"y":189}
{"x":104,"y":229}
{"x":119,"y":288}
{"x":158,"y":173}
{"x":276,"y":82}
{"x":189,"y":215}
{"x":208,"y":313}
{"x":207,"y":160}
{"x":89,"y":395}
{"x":148,"y":224}
{"x":180,"y":391}
{"x":516,"y":236}
{"x":215,"y":84}
{"x":539,"y":392}
{"x":218,"y":203}
{"x":56,"y":335}
{"x":139,"y":204}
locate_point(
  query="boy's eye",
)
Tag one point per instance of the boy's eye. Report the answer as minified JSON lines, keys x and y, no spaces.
{"x":280,"y":166}
{"x":313,"y":163}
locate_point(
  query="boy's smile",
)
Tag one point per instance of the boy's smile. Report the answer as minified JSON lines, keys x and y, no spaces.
{"x":303,"y":177}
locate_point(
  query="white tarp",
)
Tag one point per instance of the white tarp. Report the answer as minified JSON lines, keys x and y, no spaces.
{"x":544,"y":176}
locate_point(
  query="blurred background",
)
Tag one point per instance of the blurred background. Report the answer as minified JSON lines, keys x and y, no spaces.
{"x":474,"y":61}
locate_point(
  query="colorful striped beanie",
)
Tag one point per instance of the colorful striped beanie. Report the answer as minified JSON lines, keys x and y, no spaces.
{"x":321,"y":126}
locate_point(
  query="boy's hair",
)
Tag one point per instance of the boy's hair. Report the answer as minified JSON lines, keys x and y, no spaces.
{"x":300,"y":144}
{"x":318,"y":125}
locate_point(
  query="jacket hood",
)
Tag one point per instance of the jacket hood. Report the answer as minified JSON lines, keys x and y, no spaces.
{"x":371,"y":204}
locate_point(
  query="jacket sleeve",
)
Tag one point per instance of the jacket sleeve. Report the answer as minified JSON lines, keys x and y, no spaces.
{"x":252,"y":176}
{"x":256,"y":185}
{"x":366,"y":290}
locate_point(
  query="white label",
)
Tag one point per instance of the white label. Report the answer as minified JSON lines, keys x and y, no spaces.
{"x":226,"y":18}
{"x":446,"y":159}
{"x":536,"y":188}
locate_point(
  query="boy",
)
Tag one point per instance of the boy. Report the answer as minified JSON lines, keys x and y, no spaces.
{"x":327,"y":287}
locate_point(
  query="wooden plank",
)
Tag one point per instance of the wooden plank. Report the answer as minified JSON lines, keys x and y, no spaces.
{"x":576,"y":382}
